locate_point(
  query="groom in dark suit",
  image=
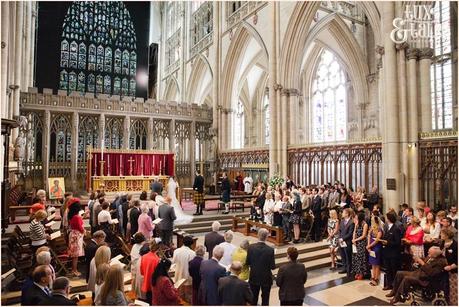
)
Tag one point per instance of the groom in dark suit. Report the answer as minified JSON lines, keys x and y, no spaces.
{"x":167,"y":213}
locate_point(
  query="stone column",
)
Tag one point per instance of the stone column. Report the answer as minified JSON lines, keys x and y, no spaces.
{"x":74,"y":154}
{"x":183,"y":47}
{"x":5,"y":22}
{"x":216,"y":75}
{"x":294,"y":117}
{"x":404,"y":119}
{"x":11,"y":58}
{"x":46,"y":139}
{"x":150,"y":140}
{"x":273,"y":87}
{"x":26,"y":42}
{"x":279,"y":127}
{"x":102,"y":131}
{"x":413,"y":129}
{"x":17,"y":61}
{"x":126,"y":131}
{"x":425,"y":61}
{"x":284,"y":128}
{"x":391,"y":139}
{"x":192,"y":148}
{"x":32,"y":40}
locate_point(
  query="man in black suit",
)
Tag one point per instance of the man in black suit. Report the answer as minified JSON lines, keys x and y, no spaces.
{"x":134,"y":217}
{"x":346,"y":230}
{"x":291,"y":279}
{"x":260,"y":259}
{"x":316,"y":208}
{"x":213,"y":238}
{"x":38,"y":291}
{"x":198,"y":196}
{"x":233,"y":291}
{"x":59,"y":296}
{"x":211,"y":271}
{"x":392,"y":242}
{"x":98,"y":239}
{"x":194,"y":268}
{"x":167,"y":213}
{"x":156,"y":186}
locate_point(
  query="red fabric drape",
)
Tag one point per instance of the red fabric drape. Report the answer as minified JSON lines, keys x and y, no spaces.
{"x":132,"y":164}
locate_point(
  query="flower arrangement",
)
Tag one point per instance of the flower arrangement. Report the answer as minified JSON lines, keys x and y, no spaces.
{"x":276,"y":180}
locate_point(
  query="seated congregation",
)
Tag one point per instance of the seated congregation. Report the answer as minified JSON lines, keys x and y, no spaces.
{"x":128,"y":258}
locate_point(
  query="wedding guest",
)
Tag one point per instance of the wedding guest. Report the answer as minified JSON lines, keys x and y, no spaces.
{"x":101,"y":274}
{"x":414,"y":238}
{"x":182,"y":257}
{"x":103,"y":255}
{"x":233,"y":291}
{"x":286,"y":211}
{"x":346,"y":231}
{"x":240,"y":255}
{"x":194,"y":267}
{"x":359,"y":239}
{"x":213,"y":238}
{"x":138,"y":242}
{"x":76,"y":234}
{"x":145,"y":222}
{"x":447,"y":223}
{"x":211,"y":271}
{"x":39,"y":290}
{"x":60,"y":294}
{"x":148,"y":264}
{"x":450,"y":250}
{"x":97,"y":240}
{"x":228,"y":249}
{"x":291,"y":279}
{"x":112,"y":290}
{"x":333,"y":236}
{"x":38,"y":234}
{"x":431,"y":228}
{"x":316,"y":208}
{"x":453,"y":214}
{"x":296,"y":216}
{"x":164,"y":292}
{"x":391,"y":241}
{"x":226,"y":192}
{"x":134,"y":217}
{"x":374,"y":248}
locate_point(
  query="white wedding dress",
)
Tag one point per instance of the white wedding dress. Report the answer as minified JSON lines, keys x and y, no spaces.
{"x":182,"y":218}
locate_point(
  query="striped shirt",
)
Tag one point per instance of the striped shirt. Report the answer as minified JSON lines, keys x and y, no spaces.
{"x":37,"y":233}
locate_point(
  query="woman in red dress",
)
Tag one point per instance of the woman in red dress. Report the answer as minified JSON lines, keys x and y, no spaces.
{"x":164,"y":292}
{"x":76,"y":233}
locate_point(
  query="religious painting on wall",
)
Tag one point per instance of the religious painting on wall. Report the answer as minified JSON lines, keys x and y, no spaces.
{"x":56,"y":187}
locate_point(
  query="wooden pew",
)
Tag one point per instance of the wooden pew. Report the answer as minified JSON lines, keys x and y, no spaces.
{"x":13,"y":209}
{"x":279,"y":232}
{"x":181,"y":234}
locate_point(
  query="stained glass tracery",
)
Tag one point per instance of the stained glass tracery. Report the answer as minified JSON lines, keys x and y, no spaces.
{"x":329,"y":100}
{"x":98,"y":37}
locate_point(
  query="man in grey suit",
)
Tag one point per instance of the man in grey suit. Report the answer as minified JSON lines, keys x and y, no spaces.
{"x":346,"y":230}
{"x":233,"y":291}
{"x":167,"y":213}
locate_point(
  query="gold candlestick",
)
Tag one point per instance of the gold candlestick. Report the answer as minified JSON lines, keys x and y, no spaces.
{"x":102,"y":162}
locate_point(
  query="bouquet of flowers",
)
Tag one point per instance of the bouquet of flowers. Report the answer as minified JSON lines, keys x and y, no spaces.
{"x":276,"y":180}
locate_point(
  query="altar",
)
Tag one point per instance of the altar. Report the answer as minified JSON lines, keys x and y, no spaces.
{"x":123,"y":170}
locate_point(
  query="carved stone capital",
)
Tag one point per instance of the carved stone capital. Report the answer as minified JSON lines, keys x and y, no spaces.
{"x":412,"y":53}
{"x":426,"y":53}
{"x":401,"y":46}
{"x":3,"y":45}
{"x":372,"y":77}
{"x":379,"y":50}
{"x":277,"y":87}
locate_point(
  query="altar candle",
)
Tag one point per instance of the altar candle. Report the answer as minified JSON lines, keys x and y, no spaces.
{"x":95,"y":165}
{"x":102,"y":149}
{"x":160,"y":166}
{"x":108,"y":165}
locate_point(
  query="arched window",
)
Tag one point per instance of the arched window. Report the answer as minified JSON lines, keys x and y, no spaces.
{"x":441,"y":72}
{"x":267,"y":117}
{"x":329,"y":111}
{"x":138,"y":134}
{"x":113,"y":133}
{"x":60,"y":138}
{"x":97,"y":37}
{"x":238,"y":129}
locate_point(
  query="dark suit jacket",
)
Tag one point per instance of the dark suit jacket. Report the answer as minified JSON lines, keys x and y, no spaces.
{"x":316,"y":206}
{"x":198,"y":184}
{"x":33,"y":295}
{"x":89,"y":253}
{"x":194,"y":268}
{"x":260,"y":259}
{"x":346,"y":231}
{"x":57,"y":300}
{"x":211,"y":240}
{"x":291,"y":279}
{"x":432,"y":267}
{"x":394,"y":241}
{"x":167,"y":213}
{"x":234,"y":292}
{"x":157,"y":187}
{"x":211,"y":272}
{"x":260,"y":201}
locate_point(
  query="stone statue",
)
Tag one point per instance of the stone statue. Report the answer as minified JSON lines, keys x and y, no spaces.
{"x":211,"y":150}
{"x":29,"y":144}
{"x":19,"y":147}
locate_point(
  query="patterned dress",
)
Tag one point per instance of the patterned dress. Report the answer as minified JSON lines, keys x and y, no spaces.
{"x":331,"y":227}
{"x":359,"y":259}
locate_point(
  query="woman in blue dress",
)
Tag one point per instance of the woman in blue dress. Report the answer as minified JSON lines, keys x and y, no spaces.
{"x":374,"y":249}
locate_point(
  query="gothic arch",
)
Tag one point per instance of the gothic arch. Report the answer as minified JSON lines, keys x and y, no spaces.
{"x":200,"y":68}
{"x":172,"y":90}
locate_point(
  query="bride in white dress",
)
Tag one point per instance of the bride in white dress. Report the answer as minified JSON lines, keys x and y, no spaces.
{"x":182,"y":218}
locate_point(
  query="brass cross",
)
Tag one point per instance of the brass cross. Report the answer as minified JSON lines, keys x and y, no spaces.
{"x":130,"y":165}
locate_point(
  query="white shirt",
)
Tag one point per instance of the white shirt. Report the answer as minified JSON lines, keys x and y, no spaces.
{"x":104,"y":216}
{"x":182,"y":256}
{"x":228,"y":249}
{"x":248,"y":183}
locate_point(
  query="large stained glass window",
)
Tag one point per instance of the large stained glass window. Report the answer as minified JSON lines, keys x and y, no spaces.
{"x":329,"y":109}
{"x":238,"y":130}
{"x":441,"y":72}
{"x":98,"y":49}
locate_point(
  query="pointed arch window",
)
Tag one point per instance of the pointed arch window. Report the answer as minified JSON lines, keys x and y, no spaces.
{"x":238,"y":131}
{"x":97,"y":37}
{"x":81,"y":82}
{"x":117,"y":86}
{"x":329,"y":103}
{"x":441,"y":72}
{"x":138,"y":135}
{"x":131,"y":87}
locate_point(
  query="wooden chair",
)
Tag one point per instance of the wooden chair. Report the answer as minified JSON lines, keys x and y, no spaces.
{"x":59,"y":251}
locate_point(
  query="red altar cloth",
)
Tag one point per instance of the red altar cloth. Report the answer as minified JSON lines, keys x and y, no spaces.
{"x":131,"y":164}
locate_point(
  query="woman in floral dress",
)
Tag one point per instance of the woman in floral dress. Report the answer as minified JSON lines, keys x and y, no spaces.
{"x":76,"y":233}
{"x":359,"y":259}
{"x":333,"y":234}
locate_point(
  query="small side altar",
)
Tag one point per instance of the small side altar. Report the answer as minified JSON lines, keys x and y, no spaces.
{"x":119,"y":170}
